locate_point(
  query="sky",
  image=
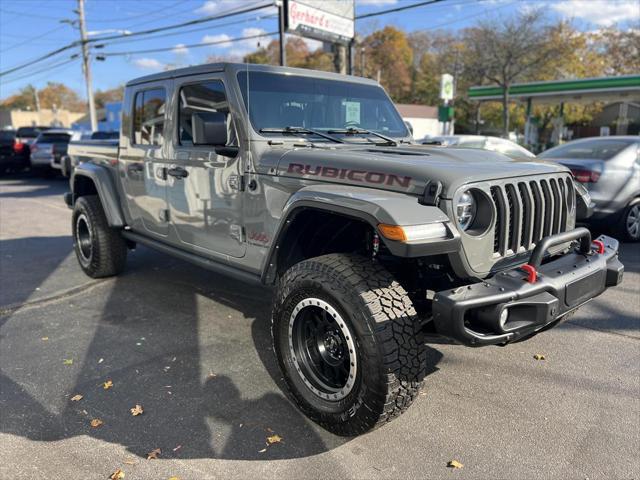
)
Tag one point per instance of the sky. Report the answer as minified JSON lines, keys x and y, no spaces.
{"x":31,"y":28}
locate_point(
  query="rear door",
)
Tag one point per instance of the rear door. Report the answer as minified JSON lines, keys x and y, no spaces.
{"x":206,"y":200}
{"x":142,"y":158}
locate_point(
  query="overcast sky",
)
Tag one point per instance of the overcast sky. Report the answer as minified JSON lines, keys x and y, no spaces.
{"x":30,"y":28}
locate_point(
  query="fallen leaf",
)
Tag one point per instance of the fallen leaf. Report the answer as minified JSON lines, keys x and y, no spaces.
{"x":539,"y":356}
{"x":117,"y":475}
{"x":153,"y":454}
{"x":44,"y":339}
{"x":177,"y":448}
{"x":76,"y":398}
{"x":137,"y":410}
{"x":107,"y":385}
{"x":96,"y":422}
{"x":174,"y":478}
{"x":274,"y":439}
{"x":211,"y":375}
{"x":67,"y":361}
{"x":130,"y":462}
{"x":454,"y":464}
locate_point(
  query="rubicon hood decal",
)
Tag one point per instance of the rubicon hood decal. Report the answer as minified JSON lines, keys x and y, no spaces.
{"x":363,"y":176}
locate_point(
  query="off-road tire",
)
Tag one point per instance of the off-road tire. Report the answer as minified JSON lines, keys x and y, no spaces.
{"x":390,"y":351}
{"x":105,"y":251}
{"x":623,"y":231}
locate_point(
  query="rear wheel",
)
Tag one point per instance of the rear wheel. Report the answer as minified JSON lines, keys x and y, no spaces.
{"x":630,"y":222}
{"x":101,"y":251}
{"x":348,"y":342}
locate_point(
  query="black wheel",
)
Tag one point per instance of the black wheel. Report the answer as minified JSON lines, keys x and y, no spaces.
{"x":348,"y":342}
{"x":630,"y":222}
{"x":101,"y":250}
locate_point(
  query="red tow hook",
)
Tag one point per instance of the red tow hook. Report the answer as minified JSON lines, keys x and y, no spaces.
{"x":599,"y":246}
{"x":532,"y":274}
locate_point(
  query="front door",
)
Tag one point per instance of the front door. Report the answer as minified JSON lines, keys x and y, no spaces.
{"x":142,"y":159}
{"x":204,"y":188}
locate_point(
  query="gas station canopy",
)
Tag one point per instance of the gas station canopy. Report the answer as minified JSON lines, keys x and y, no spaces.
{"x":585,"y":90}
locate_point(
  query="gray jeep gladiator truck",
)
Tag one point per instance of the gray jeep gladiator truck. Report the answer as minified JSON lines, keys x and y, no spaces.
{"x":309,"y":182}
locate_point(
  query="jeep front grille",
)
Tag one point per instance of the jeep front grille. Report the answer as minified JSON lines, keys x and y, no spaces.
{"x":530,"y":210}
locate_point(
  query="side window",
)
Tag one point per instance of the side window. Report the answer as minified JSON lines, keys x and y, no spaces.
{"x":148,"y":117}
{"x":202,"y":97}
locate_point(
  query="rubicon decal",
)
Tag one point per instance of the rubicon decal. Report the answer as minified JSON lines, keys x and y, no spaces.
{"x":377,"y":178}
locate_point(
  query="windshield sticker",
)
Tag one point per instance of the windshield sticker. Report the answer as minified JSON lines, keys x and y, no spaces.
{"x":352,"y":112}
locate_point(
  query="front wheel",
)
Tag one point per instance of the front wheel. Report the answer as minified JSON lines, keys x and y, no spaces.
{"x":348,"y":342}
{"x":101,"y":251}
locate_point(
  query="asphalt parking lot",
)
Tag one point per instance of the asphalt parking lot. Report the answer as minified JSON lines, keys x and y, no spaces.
{"x":193,"y":349}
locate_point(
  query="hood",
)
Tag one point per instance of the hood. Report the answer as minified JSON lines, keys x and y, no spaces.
{"x":405,"y":168}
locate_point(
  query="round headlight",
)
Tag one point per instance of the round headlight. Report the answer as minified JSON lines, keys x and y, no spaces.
{"x":466,"y":209}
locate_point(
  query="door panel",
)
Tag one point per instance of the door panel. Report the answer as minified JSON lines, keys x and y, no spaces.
{"x":143,"y":164}
{"x":204,"y":194}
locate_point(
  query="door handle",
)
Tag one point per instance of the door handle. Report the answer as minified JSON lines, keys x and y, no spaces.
{"x":178,"y":172}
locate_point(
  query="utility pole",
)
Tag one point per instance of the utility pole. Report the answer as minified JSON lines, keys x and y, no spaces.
{"x":86,"y":66}
{"x":283,"y":50}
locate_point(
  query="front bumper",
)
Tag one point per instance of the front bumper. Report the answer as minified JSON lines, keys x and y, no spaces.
{"x":474,"y":315}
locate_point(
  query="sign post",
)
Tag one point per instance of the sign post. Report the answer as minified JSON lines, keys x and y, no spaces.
{"x":445,"y":113}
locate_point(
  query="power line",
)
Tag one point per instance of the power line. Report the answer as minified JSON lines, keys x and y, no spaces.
{"x":193,"y":45}
{"x":398,"y":9}
{"x":47,"y":69}
{"x":222,"y":15}
{"x":197,"y":21}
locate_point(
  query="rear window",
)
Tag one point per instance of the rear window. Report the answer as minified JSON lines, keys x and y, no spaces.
{"x":105,"y":135}
{"x":148,"y":117}
{"x":54,"y":138}
{"x":596,"y":149}
{"x":29,"y":132}
{"x":7,"y":135}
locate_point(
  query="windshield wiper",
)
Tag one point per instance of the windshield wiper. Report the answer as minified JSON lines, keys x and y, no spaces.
{"x":358,"y":131}
{"x":295,"y":130}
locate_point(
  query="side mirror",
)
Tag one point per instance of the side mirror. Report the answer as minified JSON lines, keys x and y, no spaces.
{"x":209,"y":128}
{"x":409,"y":127}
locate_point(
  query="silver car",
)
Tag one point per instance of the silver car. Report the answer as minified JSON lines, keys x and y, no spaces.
{"x":495,"y":144}
{"x":609,"y":167}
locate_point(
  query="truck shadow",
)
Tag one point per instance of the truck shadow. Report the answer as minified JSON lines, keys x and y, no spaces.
{"x":189,"y":346}
{"x":23,"y":185}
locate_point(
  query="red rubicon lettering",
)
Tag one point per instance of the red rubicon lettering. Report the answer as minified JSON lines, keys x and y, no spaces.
{"x":377,"y":178}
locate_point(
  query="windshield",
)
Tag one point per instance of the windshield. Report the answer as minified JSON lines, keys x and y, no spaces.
{"x":278,"y":101}
{"x":596,"y":149}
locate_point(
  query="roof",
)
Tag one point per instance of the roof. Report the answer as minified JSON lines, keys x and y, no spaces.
{"x":417,"y":111}
{"x":237,"y":67}
{"x":624,"y":87}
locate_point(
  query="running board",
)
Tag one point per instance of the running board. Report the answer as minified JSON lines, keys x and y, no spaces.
{"x":203,"y":262}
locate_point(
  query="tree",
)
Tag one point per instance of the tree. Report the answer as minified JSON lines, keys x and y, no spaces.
{"x":106,"y":96}
{"x":619,"y":49}
{"x":504,"y":52}
{"x":298,"y":55}
{"x":390,"y":57}
{"x":25,"y":99}
{"x":60,"y":96}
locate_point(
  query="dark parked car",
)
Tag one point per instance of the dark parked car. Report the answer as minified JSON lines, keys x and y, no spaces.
{"x":25,"y":136}
{"x":7,"y":155}
{"x":609,"y":167}
{"x":48,"y":150}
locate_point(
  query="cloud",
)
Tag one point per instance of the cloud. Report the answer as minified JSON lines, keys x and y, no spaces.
{"x":376,"y":3}
{"x":599,"y":12}
{"x":220,"y":40}
{"x":180,"y":49}
{"x":149,"y":64}
{"x":211,"y":7}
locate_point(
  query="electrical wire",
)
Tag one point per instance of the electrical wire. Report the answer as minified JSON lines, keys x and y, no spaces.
{"x":193,"y":45}
{"x":49,"y":69}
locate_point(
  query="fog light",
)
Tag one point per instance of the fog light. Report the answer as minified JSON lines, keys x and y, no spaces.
{"x":504,"y":315}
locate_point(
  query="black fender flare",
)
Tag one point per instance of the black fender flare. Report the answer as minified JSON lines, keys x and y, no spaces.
{"x":367,"y":205}
{"x":104,"y":185}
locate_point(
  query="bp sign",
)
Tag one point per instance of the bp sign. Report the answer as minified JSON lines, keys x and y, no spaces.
{"x":329,"y":21}
{"x":446,"y":87}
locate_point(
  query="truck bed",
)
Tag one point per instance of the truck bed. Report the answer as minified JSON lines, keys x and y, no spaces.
{"x":101,"y":150}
